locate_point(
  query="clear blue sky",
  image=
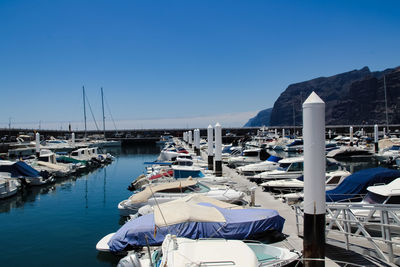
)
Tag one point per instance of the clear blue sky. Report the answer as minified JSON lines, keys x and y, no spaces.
{"x":180,"y":59}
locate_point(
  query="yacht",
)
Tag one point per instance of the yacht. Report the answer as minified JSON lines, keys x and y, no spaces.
{"x":268,"y":165}
{"x":248,"y":156}
{"x":288,"y":168}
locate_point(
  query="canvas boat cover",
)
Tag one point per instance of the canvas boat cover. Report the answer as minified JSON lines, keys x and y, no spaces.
{"x":274,"y":158}
{"x":358,"y":182}
{"x":238,"y":224}
{"x":144,"y":195}
{"x":165,"y":214}
{"x":19,"y":169}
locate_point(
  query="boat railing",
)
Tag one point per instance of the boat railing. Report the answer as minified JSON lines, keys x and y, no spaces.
{"x":373,"y":226}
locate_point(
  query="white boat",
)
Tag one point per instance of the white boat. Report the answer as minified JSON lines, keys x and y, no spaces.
{"x":389,"y":154}
{"x":164,"y":192}
{"x":349,"y":152}
{"x":288,"y":168}
{"x":21,"y":170}
{"x":47,"y":162}
{"x":182,"y":252}
{"x":255,"y":168}
{"x":8,"y":185}
{"x":290,"y":185}
{"x":248,"y":156}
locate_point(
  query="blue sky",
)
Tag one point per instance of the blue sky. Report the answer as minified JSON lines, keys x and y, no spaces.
{"x":179,"y":63}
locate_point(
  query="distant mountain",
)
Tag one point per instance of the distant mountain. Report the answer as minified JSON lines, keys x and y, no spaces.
{"x":354,"y":97}
{"x":261,"y":119}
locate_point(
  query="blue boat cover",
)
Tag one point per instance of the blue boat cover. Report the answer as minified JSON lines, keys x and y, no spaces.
{"x":20,"y":169}
{"x":358,"y":182}
{"x":240,"y":224}
{"x":295,"y":143}
{"x":274,"y":158}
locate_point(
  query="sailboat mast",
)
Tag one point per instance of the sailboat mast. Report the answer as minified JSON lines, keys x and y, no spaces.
{"x":104,"y":118}
{"x":84,"y":109}
{"x":387,"y":117}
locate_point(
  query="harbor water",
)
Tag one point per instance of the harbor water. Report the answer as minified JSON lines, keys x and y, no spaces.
{"x":60,"y":224}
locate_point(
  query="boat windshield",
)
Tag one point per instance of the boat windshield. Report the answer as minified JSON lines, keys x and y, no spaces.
{"x":397,"y":148}
{"x":283,"y":166}
{"x":250,"y":153}
{"x":227,"y":149}
{"x":197,"y":188}
{"x":296,"y":167}
{"x":373,"y":198}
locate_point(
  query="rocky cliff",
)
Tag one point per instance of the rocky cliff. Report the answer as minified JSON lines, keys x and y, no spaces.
{"x":354,"y":97}
{"x":261,"y":119}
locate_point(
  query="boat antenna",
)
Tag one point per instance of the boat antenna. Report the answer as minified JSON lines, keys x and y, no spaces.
{"x":104,"y":118}
{"x":387,"y":117}
{"x":84,"y":109}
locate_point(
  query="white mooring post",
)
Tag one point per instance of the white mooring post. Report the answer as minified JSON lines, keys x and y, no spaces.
{"x":197,"y":141}
{"x":218,"y":150}
{"x":276,"y":133}
{"x":351,"y":135}
{"x":283,"y":133}
{"x":37,"y":145}
{"x":73,"y":139}
{"x":330,"y":134}
{"x":384,"y":132}
{"x":210,"y":149}
{"x":190,"y":138}
{"x":314,"y":179}
{"x":376,"y":138}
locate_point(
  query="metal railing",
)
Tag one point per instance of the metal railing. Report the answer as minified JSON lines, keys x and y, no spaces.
{"x":374,"y":223}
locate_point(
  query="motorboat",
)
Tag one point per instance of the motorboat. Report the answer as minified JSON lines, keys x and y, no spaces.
{"x":268,"y":165}
{"x":354,"y":187}
{"x":21,"y":170}
{"x":291,"y":185}
{"x":8,"y":186}
{"x":288,"y":168}
{"x":47,"y":161}
{"x":295,"y":146}
{"x":181,"y":252}
{"x":164,"y":192}
{"x":197,"y":218}
{"x":248,"y":156}
{"x":389,"y":154}
{"x":344,"y":152}
{"x":230,"y":151}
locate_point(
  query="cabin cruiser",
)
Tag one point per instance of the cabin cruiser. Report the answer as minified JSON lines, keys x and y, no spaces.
{"x":388,"y":155}
{"x":165,"y":192}
{"x":295,"y":146}
{"x":248,"y":156}
{"x":47,"y":161}
{"x":288,"y":168}
{"x":270,"y":164}
{"x":23,"y":147}
{"x":290,"y":185}
{"x":21,"y":170}
{"x":349,"y":151}
{"x":8,"y":186}
{"x":171,"y":153}
{"x":230,"y":151}
{"x":57,"y":145}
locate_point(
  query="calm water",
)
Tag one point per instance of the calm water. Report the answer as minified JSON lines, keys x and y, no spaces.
{"x":59,"y":225}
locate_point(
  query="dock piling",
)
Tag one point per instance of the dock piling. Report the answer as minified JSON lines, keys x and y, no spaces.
{"x":37,"y":145}
{"x":314,"y":180}
{"x":376,"y":138}
{"x":218,"y":150}
{"x":210,"y":148}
